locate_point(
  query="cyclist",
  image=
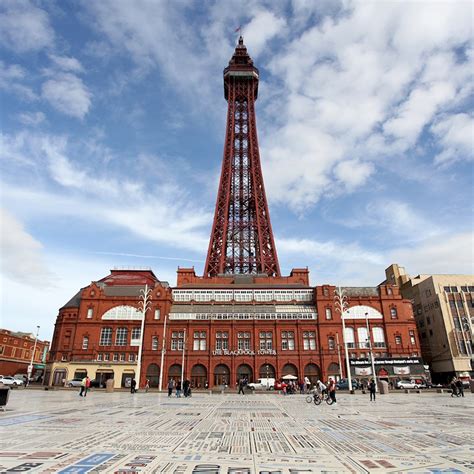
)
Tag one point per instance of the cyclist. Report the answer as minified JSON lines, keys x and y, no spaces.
{"x":322,"y":389}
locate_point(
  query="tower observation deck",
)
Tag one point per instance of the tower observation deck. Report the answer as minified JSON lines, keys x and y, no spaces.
{"x":241,"y":239}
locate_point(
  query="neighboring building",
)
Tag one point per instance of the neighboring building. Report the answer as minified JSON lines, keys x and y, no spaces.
{"x":16,"y":349}
{"x":242,"y":319}
{"x":444,"y":313}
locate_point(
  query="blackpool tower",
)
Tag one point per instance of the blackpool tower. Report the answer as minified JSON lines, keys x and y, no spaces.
{"x":241,"y":238}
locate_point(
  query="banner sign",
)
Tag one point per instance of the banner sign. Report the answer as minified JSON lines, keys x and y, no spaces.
{"x":411,"y":361}
{"x":401,"y":370}
{"x":363,"y":370}
{"x":240,"y":352}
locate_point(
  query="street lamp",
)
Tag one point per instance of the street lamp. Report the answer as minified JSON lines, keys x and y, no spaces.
{"x":144,"y":305}
{"x":342,"y":305}
{"x":182,"y":363}
{"x":163,"y":350}
{"x":30,"y":367}
{"x":369,"y":341}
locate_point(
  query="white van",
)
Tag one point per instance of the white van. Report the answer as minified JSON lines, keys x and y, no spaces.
{"x":262,"y":384}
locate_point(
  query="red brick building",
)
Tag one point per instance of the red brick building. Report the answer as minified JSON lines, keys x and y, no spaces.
{"x":16,"y":349}
{"x":230,"y":327}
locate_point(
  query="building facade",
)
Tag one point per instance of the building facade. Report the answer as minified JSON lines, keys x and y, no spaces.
{"x":16,"y":349}
{"x":444,"y":312}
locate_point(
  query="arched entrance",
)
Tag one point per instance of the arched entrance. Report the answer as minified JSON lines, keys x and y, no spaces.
{"x":244,"y":371}
{"x":383,"y":374}
{"x":267,"y":371}
{"x":153,"y":375}
{"x":313,"y":372}
{"x":198,"y":376}
{"x":289,"y":369}
{"x":333,"y":371}
{"x":174,"y":372}
{"x":221,"y":375}
{"x":59,"y":377}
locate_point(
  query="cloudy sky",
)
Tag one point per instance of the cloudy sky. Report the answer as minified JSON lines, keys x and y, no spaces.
{"x":112,"y":127}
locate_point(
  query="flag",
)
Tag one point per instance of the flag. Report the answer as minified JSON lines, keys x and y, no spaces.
{"x":238,"y":29}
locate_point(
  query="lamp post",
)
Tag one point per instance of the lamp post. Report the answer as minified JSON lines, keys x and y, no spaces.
{"x":144,"y":306}
{"x":342,"y":305}
{"x":163,"y":350}
{"x":369,"y":340}
{"x":182,"y":363}
{"x":30,"y":367}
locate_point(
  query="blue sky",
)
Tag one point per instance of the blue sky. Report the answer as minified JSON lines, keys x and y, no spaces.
{"x":112,"y":127}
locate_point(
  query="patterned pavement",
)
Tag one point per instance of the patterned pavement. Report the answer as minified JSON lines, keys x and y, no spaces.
{"x":59,"y":432}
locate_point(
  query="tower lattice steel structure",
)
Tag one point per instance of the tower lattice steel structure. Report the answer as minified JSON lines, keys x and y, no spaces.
{"x":241,"y":239}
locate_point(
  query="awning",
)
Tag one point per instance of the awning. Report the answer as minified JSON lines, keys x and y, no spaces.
{"x":39,"y":366}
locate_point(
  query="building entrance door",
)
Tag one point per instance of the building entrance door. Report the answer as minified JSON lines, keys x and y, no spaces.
{"x":244,"y":371}
{"x":221,"y":375}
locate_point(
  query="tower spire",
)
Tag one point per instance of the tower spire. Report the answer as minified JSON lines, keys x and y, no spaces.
{"x":241,"y":238}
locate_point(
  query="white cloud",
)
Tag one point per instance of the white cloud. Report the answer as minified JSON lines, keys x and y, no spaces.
{"x":456,"y":136}
{"x":22,"y":254}
{"x":67,"y":63}
{"x":12,"y":78}
{"x":68,"y":94}
{"x":31,"y":118}
{"x":353,"y":173}
{"x":24,"y":26}
{"x":263,"y":27}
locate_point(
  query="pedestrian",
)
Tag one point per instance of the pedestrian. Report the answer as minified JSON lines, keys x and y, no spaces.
{"x":307,"y":384}
{"x":241,"y":387}
{"x":332,"y":390}
{"x":83,"y":386}
{"x":170,"y":387}
{"x":178,"y":389}
{"x":454,"y":387}
{"x":88,"y":385}
{"x":186,"y":384}
{"x":460,"y":387}
{"x":372,"y":390}
{"x":147,"y":385}
{"x":133,"y":385}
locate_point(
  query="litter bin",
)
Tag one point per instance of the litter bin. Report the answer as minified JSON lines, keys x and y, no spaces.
{"x":109,"y":386}
{"x":383,"y":387}
{"x":4,"y":394}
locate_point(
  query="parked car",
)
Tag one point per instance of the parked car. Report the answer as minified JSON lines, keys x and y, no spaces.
{"x":262,"y":384}
{"x":343,"y":384}
{"x":407,"y":384}
{"x":466,"y":381}
{"x":7,"y":380}
{"x":97,"y":384}
{"x":22,"y":377}
{"x":74,"y":382}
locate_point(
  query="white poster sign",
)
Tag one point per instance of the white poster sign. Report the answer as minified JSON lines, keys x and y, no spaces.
{"x":363,"y":370}
{"x":401,"y":370}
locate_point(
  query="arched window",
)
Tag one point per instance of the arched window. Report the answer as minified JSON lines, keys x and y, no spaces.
{"x":393,"y":313}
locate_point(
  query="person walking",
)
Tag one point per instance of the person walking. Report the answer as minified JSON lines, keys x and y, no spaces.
{"x":332,"y":390}
{"x":241,"y":387}
{"x":83,"y":386}
{"x":454,"y":387}
{"x":178,"y":389}
{"x":170,"y":387}
{"x":372,"y":390}
{"x":133,"y":385}
{"x":147,"y":385}
{"x":460,"y":387}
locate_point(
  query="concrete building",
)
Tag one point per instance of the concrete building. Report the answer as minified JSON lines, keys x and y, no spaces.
{"x":444,"y":314}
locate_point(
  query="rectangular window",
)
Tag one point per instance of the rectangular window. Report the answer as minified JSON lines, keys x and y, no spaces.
{"x":398,"y":340}
{"x":99,"y":357}
{"x":105,"y":337}
{"x":222,"y":340}
{"x":393,"y":313}
{"x":309,"y":340}
{"x":243,"y":341}
{"x":157,"y":314}
{"x":90,"y":313}
{"x":106,"y":357}
{"x":136,"y":333}
{"x":121,"y":337}
{"x":266,"y":340}
{"x":177,"y":340}
{"x":199,"y":341}
{"x":122,"y":357}
{"x":328,"y":313}
{"x":85,"y":343}
{"x":116,"y":357}
{"x":131,"y":357}
{"x":412,"y":338}
{"x":154,"y":343}
{"x":363,"y":337}
{"x":331,"y":343}
{"x":378,"y":337}
{"x":447,"y":289}
{"x":287,"y":341}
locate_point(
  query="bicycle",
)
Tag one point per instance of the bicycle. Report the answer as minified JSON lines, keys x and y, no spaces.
{"x":317,"y":398}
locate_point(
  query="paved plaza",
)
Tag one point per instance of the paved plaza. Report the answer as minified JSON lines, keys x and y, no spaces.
{"x":57,"y":431}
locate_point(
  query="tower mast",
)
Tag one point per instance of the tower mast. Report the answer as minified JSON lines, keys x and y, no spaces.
{"x":241,"y":238}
